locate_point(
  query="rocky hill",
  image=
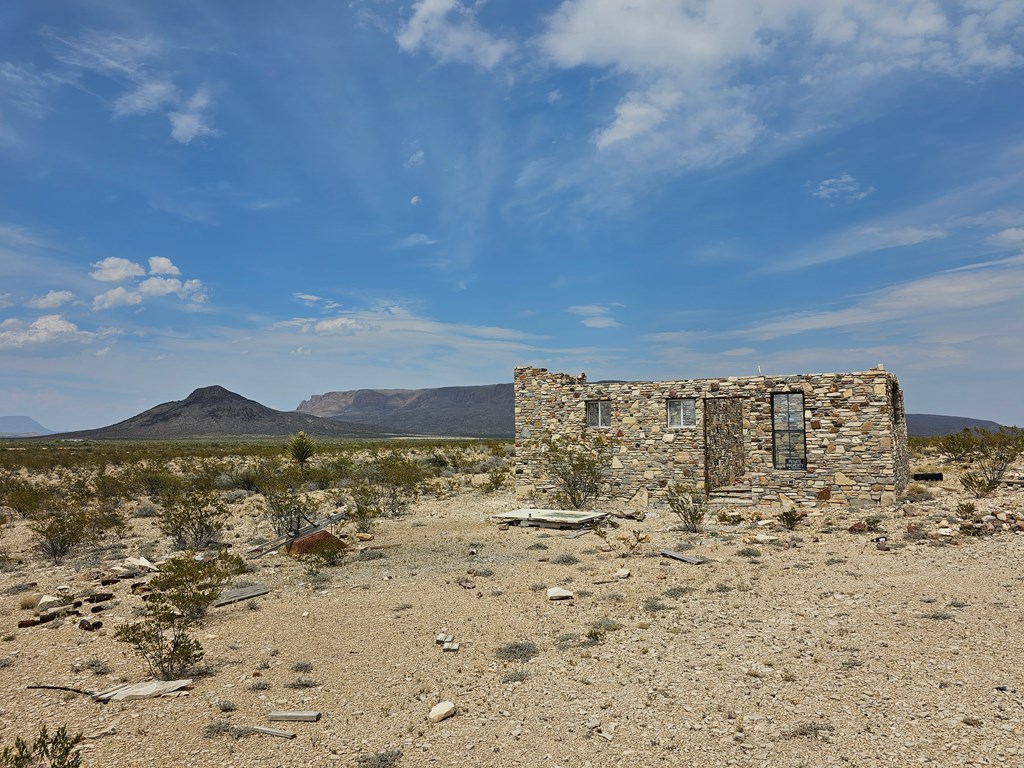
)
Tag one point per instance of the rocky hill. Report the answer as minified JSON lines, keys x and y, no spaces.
{"x":480,"y":411}
{"x":21,"y":426}
{"x":217,"y":412}
{"x":932,"y":425}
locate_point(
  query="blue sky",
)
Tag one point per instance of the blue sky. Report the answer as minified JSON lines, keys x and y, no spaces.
{"x":287,"y":199}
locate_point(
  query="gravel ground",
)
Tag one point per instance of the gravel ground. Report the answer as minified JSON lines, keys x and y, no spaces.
{"x":805,"y":648}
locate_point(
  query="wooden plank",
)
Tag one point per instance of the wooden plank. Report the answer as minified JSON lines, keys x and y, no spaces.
{"x":683,"y":558}
{"x":271,"y":731}
{"x":297,"y":717}
{"x":242,"y":593}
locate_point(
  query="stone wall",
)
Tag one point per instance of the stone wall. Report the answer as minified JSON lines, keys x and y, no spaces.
{"x":856,"y":438}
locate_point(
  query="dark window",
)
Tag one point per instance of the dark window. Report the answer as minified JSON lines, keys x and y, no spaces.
{"x":788,"y":434}
{"x":599,"y":413}
{"x":681,"y":413}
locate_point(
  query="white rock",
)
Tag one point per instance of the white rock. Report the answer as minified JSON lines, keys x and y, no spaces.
{"x":46,"y":602}
{"x":441,"y":711}
{"x":622,"y":573}
{"x":557,"y":593}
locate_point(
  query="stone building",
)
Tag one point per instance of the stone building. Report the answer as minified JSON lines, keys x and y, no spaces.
{"x":807,"y":440}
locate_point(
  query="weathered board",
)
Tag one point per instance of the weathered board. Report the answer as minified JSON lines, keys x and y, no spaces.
{"x":550,"y":518}
{"x":683,"y":558}
{"x":297,"y":717}
{"x":242,"y":593}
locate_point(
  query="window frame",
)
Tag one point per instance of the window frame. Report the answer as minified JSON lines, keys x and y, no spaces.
{"x":682,"y":422}
{"x":603,"y":408}
{"x":789,"y":432}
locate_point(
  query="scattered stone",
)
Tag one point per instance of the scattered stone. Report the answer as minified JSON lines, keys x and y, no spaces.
{"x":441,"y":711}
{"x":557,"y":593}
{"x":364,"y":536}
{"x":622,"y":573}
{"x":49,"y":602}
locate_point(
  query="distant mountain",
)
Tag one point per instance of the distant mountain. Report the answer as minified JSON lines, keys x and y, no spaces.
{"x":216,"y":412}
{"x":482,"y":411}
{"x":21,"y":426}
{"x":930,"y":425}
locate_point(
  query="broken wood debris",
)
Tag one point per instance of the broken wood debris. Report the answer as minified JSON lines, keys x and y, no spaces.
{"x":683,"y":558}
{"x":271,"y":731}
{"x":294,"y":717}
{"x":242,"y":593}
{"x":550,"y":518}
{"x":147,"y":690}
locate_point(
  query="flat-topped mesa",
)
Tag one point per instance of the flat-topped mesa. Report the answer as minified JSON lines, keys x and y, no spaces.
{"x":774,"y":441}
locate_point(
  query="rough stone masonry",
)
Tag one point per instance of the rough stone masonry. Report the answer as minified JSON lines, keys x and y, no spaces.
{"x":774,"y":441}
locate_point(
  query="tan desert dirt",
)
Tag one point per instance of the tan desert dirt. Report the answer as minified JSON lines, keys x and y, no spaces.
{"x":805,"y":648}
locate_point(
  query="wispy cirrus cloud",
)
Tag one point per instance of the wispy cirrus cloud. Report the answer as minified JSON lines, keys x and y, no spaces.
{"x":842,"y":188}
{"x":415,"y":240}
{"x":596,"y":315}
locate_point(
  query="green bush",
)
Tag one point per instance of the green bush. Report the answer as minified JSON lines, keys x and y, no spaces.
{"x":162,"y":639}
{"x":577,"y":467}
{"x":27,"y":499}
{"x":689,"y":504}
{"x":960,"y":446}
{"x":47,"y":751}
{"x":194,"y":521}
{"x":387,"y":484}
{"x":59,"y":533}
{"x":976,"y":485}
{"x":791,"y":517}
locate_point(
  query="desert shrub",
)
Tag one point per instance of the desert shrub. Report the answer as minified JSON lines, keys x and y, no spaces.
{"x":625,"y":545}
{"x":147,"y":509}
{"x":790,"y":517}
{"x":59,"y":533}
{"x":301,"y":448}
{"x":689,"y":504}
{"x":387,"y":483}
{"x":160,"y":485}
{"x":301,"y":683}
{"x":997,"y":451}
{"x":750,"y":552}
{"x":917,"y":492}
{"x":497,"y":478}
{"x":960,"y":446}
{"x":976,"y":485}
{"x":966,"y":509}
{"x":521,"y":651}
{"x":27,"y":499}
{"x":330,"y":551}
{"x":515,"y":676}
{"x":388,"y":759}
{"x":56,"y":750}
{"x":194,"y":521}
{"x":565,"y":559}
{"x":577,"y":467}
{"x":287,"y":508}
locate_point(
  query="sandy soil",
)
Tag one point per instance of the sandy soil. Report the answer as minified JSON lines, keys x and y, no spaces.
{"x":817,"y":649}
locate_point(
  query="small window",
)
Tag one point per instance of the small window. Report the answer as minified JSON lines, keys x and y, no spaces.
{"x":788,"y":434}
{"x":599,"y":413}
{"x":682,"y":413}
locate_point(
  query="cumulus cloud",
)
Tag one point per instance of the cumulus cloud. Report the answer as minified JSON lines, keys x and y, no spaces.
{"x":595,"y":315}
{"x":116,"y":297}
{"x":115,"y":270}
{"x":1009,"y":238}
{"x":51,"y":300}
{"x":415,"y":200}
{"x":842,"y":187}
{"x":415,"y":240}
{"x":191,"y":122}
{"x":161,"y":265}
{"x":43,"y":330}
{"x":448,"y":31}
{"x":159,"y":286}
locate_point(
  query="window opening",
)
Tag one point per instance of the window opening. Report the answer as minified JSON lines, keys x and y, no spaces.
{"x":788,"y":432}
{"x":681,"y":413}
{"x":599,"y":413}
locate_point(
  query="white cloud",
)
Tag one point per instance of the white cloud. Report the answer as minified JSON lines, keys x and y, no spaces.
{"x":696,"y":91}
{"x":191,"y":122}
{"x":343,"y":325}
{"x":51,"y":300}
{"x":115,"y":270}
{"x":415,"y":240}
{"x":554,"y":96}
{"x":307,"y":298}
{"x":595,"y":315}
{"x":102,"y":352}
{"x":161,"y":265}
{"x":978,"y":286}
{"x":5,"y":300}
{"x":448,"y":31}
{"x":859,"y":240}
{"x":416,"y":158}
{"x":116,"y":297}
{"x":842,"y":187}
{"x":149,"y":96}
{"x":1009,"y":238}
{"x":415,"y":200}
{"x":159,"y":286}
{"x":43,"y":330}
